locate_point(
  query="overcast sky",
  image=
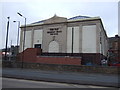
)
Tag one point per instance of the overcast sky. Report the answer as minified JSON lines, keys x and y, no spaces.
{"x":42,"y":9}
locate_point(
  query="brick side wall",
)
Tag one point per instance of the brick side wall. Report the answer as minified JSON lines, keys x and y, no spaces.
{"x":59,"y":60}
{"x":35,"y":55}
{"x":93,"y":58}
{"x":31,"y":55}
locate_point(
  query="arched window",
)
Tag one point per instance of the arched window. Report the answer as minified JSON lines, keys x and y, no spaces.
{"x":54,"y":47}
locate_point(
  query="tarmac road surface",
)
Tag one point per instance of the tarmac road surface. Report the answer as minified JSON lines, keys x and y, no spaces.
{"x":64,"y":77}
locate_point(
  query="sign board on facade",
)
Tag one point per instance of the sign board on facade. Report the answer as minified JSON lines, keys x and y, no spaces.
{"x":54,"y":31}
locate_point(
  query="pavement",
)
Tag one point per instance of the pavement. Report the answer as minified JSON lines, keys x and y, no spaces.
{"x":20,"y":83}
{"x":109,"y":80}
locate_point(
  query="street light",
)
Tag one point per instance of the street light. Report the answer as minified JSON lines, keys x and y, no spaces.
{"x":18,"y":31}
{"x":23,"y":37}
{"x":17,"y":36}
{"x":7,"y":38}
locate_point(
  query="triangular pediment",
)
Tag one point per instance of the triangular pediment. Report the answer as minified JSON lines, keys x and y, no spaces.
{"x":55,"y":19}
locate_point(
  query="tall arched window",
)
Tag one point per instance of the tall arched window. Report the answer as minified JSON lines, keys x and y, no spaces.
{"x":54,"y":47}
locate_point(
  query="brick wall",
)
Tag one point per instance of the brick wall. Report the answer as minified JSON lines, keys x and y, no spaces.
{"x":32,"y":55}
{"x":93,"y":58}
{"x":29,"y":55}
{"x":59,"y":60}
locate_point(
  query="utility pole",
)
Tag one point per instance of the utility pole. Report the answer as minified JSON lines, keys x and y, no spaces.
{"x":7,"y":38}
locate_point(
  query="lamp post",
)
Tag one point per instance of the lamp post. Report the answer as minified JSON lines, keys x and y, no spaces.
{"x":18,"y":31}
{"x":23,"y":37}
{"x":17,"y":36}
{"x":7,"y":38}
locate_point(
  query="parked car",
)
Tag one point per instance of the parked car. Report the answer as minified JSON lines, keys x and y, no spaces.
{"x":115,"y":64}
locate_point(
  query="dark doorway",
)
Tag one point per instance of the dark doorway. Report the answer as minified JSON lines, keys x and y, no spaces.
{"x":37,"y":46}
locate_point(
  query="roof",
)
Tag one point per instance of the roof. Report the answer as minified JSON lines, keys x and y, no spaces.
{"x":78,"y":17}
{"x":111,"y":39}
{"x":38,"y":22}
{"x":72,"y":18}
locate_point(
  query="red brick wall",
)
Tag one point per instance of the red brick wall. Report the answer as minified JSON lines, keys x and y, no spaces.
{"x":59,"y":60}
{"x":94,"y":58}
{"x":31,"y":55}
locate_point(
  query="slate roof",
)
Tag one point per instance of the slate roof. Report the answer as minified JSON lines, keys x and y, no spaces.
{"x":78,"y":17}
{"x":38,"y":22}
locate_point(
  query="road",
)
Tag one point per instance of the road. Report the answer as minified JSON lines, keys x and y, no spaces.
{"x":64,"y":77}
{"x":20,"y":83}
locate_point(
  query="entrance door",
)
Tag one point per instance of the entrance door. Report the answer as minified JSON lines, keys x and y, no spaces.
{"x":53,"y":47}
